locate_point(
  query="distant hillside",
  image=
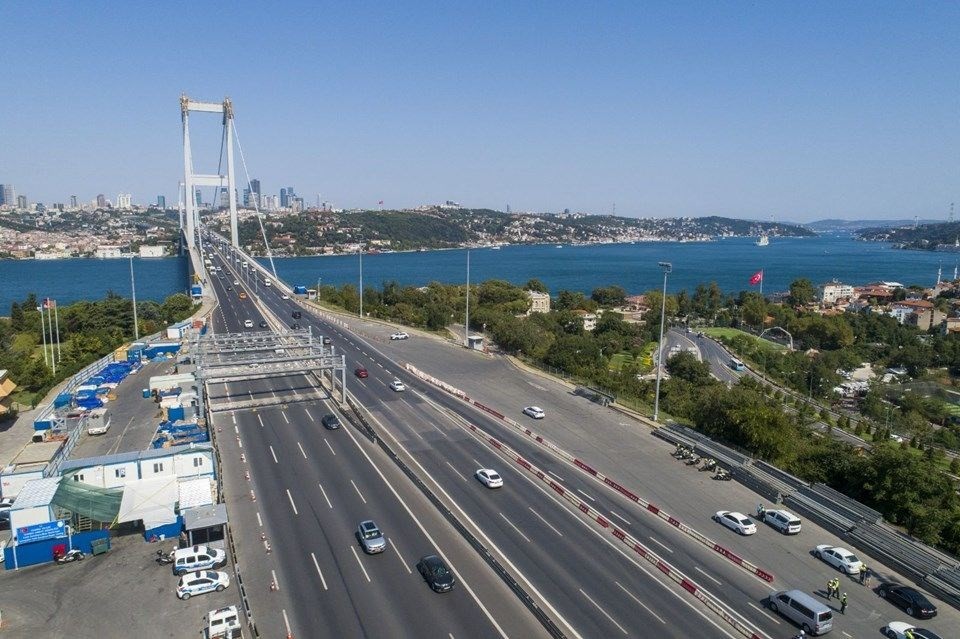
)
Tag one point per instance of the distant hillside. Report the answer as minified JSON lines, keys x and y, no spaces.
{"x":852,"y":226}
{"x":930,"y":237}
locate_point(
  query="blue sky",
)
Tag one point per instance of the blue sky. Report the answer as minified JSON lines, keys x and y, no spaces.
{"x":794,"y":110}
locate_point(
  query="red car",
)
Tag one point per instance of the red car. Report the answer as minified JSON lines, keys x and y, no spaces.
{"x":361,"y":372}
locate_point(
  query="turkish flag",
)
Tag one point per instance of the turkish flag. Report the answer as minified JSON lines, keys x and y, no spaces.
{"x":756,"y":278}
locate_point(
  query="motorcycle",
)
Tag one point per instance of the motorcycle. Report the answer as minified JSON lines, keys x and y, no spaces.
{"x":708,"y":465}
{"x":693,"y":461}
{"x":680,"y":451}
{"x":686,"y":454}
{"x":723,"y":475}
{"x":66,"y":556}
{"x":165,"y":558}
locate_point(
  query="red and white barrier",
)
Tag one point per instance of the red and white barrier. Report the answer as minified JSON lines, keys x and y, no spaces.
{"x":610,"y":483}
{"x":688,"y":585}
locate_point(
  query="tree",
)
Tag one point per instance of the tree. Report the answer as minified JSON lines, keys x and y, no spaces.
{"x":16,"y":317}
{"x":802,"y":291}
{"x":609,"y":296}
{"x":686,"y":366}
{"x":569,"y":301}
{"x":536,"y":285}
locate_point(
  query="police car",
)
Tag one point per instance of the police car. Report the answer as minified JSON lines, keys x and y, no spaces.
{"x":202,"y":582}
{"x":197,"y":558}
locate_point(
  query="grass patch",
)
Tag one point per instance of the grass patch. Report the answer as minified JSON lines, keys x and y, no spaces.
{"x":728,"y":334}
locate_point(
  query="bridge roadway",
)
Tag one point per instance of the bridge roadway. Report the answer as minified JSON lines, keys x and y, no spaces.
{"x":595,"y":586}
{"x":313,"y":487}
{"x":613,"y":444}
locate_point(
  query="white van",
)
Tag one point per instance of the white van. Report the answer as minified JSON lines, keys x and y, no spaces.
{"x":224,"y":623}
{"x":98,"y":422}
{"x":812,"y":615}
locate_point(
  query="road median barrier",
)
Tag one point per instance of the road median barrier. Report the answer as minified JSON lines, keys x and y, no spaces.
{"x":728,"y":554}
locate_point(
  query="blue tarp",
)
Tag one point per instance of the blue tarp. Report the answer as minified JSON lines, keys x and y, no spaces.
{"x":63,"y":399}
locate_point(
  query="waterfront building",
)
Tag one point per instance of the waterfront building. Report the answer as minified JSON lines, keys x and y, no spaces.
{"x":834,"y":291}
{"x":539,"y":302}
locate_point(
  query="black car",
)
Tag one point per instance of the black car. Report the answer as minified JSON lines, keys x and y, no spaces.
{"x":326,"y":340}
{"x":295,"y":326}
{"x":330,"y":422}
{"x":297,"y":315}
{"x":912,"y":601}
{"x":436,"y":573}
{"x":263,"y":323}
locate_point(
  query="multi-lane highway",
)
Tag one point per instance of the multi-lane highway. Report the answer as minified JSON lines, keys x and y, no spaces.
{"x":313,"y":487}
{"x":585,"y":583}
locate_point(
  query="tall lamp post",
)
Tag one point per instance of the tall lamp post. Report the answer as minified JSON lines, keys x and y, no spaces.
{"x":667,"y":268}
{"x":360,"y":253}
{"x":133,"y":291}
{"x":466,"y":324}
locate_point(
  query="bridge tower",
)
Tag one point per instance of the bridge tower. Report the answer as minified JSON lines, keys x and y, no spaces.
{"x":192,"y":180}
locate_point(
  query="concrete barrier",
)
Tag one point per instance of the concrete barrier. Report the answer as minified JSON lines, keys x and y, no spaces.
{"x":737,"y":560}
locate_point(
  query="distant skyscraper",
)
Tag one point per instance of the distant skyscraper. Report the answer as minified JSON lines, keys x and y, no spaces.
{"x":9,"y":195}
{"x":161,"y":202}
{"x":283,"y":198}
{"x":101,"y":201}
{"x":255,"y":186}
{"x":124,"y":201}
{"x":2,"y":201}
{"x":73,"y":202}
{"x":22,"y":202}
{"x":197,"y":198}
{"x":224,"y":197}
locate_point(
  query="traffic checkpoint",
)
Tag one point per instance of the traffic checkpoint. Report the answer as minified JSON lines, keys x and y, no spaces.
{"x":733,"y":557}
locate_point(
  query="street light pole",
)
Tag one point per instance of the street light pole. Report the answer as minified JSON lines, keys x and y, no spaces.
{"x":360,"y":253}
{"x":133,"y":290}
{"x":667,"y":268}
{"x":466,"y":326}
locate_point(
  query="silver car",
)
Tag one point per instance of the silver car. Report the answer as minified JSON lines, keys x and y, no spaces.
{"x":371,"y":538}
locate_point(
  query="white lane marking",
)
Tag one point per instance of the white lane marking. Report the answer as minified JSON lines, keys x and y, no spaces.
{"x":586,"y":495}
{"x":661,"y":544}
{"x":620,"y":517}
{"x":358,"y":491}
{"x":274,"y":575}
{"x":316,"y":565}
{"x":329,"y":446}
{"x":274,"y":455}
{"x":707,"y":575}
{"x":309,"y":415}
{"x":634,"y":597}
{"x":455,"y":470}
{"x":250,"y":393}
{"x":764,"y":612}
{"x":605,"y":613}
{"x":357,"y":557}
{"x":379,"y":364}
{"x":292,"y":505}
{"x":260,"y":419}
{"x":846,"y":634}
{"x":434,"y":544}
{"x":397,"y":550}
{"x":295,"y":393}
{"x":514,"y":527}
{"x":234,"y":417}
{"x":302,"y":452}
{"x":284,"y":414}
{"x":474,"y":460}
{"x":259,"y":521}
{"x":555,"y":476}
{"x":540,"y":517}
{"x":286,"y":622}
{"x":325,"y":495}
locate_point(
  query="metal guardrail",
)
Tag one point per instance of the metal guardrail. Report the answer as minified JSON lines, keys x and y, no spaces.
{"x":862,"y":525}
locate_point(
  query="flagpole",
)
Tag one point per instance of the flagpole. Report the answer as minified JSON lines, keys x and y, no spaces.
{"x":56,"y":315}
{"x":761,"y":282}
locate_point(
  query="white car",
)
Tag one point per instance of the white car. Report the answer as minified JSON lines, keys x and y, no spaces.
{"x":840,"y":558}
{"x":248,"y":324}
{"x":784,"y":521}
{"x":490,"y":478}
{"x":399,"y":335}
{"x":285,"y":296}
{"x":735,"y":521}
{"x":534,"y":411}
{"x":202,"y":582}
{"x":236,"y":282}
{"x":898,"y":630}
{"x":397,"y":386}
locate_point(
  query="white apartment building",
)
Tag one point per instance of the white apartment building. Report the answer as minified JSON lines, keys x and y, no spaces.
{"x":539,"y":302}
{"x":835,"y":291}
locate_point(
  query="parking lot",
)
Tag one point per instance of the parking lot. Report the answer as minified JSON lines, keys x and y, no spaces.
{"x":122,"y":593}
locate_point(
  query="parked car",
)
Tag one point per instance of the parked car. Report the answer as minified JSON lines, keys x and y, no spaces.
{"x":898,"y":630}
{"x":330,"y":421}
{"x":361,"y":372}
{"x":399,"y":335}
{"x":202,"y":582}
{"x":371,"y":538}
{"x":784,"y":521}
{"x":397,"y":386}
{"x":197,"y":558}
{"x":489,"y":478}
{"x":436,"y":573}
{"x":534,"y":411}
{"x":735,"y":521}
{"x":910,"y":600}
{"x":840,"y":558}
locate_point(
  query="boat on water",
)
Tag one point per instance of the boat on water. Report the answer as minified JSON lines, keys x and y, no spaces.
{"x":559,"y":245}
{"x":495,"y":247}
{"x":763,"y":240}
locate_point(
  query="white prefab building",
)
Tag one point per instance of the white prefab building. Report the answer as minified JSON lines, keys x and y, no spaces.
{"x":185,"y":462}
{"x":34,"y":503}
